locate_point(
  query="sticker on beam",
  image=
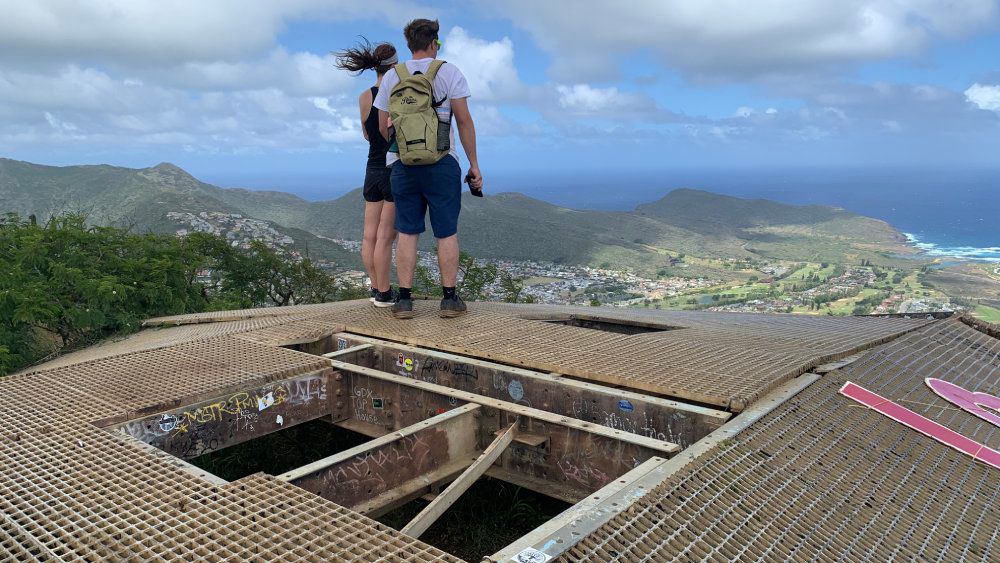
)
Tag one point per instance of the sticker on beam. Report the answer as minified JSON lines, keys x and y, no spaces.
{"x":530,"y":555}
{"x":921,"y":424}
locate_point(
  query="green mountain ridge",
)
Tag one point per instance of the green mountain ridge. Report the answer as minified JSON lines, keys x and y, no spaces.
{"x":505,"y":225}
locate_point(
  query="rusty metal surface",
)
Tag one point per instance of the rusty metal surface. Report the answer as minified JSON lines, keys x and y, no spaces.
{"x":71,"y":491}
{"x":573,"y":458}
{"x":820,"y":478}
{"x":637,"y":413}
{"x":371,"y":470}
{"x":722,"y":359}
{"x":233,"y":418}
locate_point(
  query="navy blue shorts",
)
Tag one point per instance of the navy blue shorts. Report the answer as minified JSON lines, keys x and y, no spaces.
{"x":437,"y":187}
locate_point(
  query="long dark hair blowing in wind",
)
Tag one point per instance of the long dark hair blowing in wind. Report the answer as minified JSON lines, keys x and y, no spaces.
{"x":365,"y":56}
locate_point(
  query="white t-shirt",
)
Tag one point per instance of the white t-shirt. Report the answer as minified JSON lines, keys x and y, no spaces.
{"x":449,"y":83}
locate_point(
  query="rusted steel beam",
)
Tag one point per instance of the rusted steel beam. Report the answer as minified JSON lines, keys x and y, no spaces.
{"x":620,"y":409}
{"x":236,"y":417}
{"x":360,"y":474}
{"x":576,"y":458}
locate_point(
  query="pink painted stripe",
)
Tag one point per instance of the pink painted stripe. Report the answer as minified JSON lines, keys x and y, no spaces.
{"x":923,"y":425}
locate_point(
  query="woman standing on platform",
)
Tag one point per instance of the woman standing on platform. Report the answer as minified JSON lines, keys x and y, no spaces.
{"x":380,"y":211}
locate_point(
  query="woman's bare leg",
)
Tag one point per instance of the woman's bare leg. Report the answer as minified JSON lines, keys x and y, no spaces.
{"x":382,"y":258}
{"x":373,"y":209}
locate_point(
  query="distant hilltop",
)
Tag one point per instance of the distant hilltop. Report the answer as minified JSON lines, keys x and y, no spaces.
{"x":504,"y":226}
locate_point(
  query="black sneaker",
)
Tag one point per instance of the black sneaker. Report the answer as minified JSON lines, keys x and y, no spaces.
{"x":385,"y":299}
{"x":452,"y":307}
{"x":403,"y":309}
{"x":373,"y":295}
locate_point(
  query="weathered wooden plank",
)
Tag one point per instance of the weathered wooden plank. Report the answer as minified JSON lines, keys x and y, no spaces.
{"x":419,"y":524}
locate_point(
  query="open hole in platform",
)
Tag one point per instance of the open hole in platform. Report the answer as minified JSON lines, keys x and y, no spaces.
{"x":490,"y":515}
{"x":608,"y":325}
{"x":279,"y":451}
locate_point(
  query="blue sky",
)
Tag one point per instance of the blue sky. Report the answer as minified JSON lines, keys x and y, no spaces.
{"x":245,"y":93}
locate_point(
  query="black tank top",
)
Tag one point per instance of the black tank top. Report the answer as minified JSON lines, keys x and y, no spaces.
{"x":377,"y":145}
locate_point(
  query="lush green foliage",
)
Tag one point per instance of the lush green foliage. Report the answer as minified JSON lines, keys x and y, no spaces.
{"x":475,"y":278}
{"x":66,"y":284}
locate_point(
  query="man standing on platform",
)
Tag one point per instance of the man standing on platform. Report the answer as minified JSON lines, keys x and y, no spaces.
{"x":414,"y":97}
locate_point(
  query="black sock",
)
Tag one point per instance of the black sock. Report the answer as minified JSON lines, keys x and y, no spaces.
{"x":449,"y":292}
{"x":404,"y":293}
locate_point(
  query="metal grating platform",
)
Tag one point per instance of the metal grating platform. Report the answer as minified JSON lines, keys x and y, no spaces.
{"x":722,"y":359}
{"x":72,"y":491}
{"x":821,"y":478}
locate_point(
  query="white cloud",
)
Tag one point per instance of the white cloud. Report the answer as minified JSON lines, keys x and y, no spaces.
{"x":487,"y":65}
{"x":148,"y":32}
{"x":984,"y":96}
{"x":584,"y":98}
{"x":735,"y":38}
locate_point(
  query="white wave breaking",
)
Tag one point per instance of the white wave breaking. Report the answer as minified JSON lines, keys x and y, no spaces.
{"x":982,"y":254}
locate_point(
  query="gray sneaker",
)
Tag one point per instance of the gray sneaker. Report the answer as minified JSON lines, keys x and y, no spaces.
{"x":386,"y":299}
{"x":403,"y":309}
{"x":452,"y":307}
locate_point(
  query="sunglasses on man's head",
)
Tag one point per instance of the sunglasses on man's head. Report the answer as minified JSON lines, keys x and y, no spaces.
{"x":438,"y":43}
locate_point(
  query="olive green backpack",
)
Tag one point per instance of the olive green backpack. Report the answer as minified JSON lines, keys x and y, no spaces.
{"x":420,"y":136}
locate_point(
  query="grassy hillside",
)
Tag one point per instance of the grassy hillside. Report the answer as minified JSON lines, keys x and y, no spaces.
{"x":135,"y":198}
{"x":507,"y":225}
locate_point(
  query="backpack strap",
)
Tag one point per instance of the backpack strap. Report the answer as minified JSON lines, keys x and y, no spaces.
{"x":433,"y":69}
{"x":401,"y":71}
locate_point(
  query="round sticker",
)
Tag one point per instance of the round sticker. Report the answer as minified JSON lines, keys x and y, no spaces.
{"x":515,"y":390}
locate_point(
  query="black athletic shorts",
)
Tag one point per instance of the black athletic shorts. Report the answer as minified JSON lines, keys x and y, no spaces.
{"x":377,"y":184}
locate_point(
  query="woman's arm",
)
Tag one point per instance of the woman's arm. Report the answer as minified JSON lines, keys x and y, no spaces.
{"x":365,"y":104}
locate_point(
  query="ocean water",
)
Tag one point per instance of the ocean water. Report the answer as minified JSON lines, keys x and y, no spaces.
{"x":942,"y":212}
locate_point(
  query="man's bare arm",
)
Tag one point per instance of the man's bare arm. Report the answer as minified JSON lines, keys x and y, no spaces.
{"x":467,"y":133}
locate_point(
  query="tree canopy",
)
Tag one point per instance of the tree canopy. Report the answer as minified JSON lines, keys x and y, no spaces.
{"x":66,"y":283}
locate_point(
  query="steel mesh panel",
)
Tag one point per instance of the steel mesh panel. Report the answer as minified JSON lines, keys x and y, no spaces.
{"x":822,"y":478}
{"x":152,"y":339}
{"x":305,"y":330}
{"x":317,"y":527}
{"x":71,"y":491}
{"x":722,"y":359}
{"x":242,"y":314}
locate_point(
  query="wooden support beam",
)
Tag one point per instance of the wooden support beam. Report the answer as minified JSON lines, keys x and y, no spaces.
{"x":413,"y":488}
{"x":339,"y":354}
{"x":361,"y":475}
{"x":620,"y":409}
{"x":443,"y":501}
